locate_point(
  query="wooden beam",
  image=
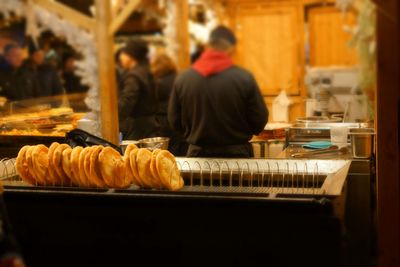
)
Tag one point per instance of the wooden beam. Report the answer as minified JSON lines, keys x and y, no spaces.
{"x":123,"y":16}
{"x":182,"y":30}
{"x":106,"y":64}
{"x":68,"y":13}
{"x":388,"y":127}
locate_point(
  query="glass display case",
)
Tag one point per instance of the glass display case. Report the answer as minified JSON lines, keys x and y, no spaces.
{"x":45,"y":116}
{"x":38,"y":121}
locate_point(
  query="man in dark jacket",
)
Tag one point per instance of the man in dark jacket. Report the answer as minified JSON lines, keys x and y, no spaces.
{"x":137,"y":105}
{"x":16,"y":82}
{"x":217,"y":105}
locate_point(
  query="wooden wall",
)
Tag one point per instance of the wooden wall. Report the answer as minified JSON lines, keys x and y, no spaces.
{"x":329,"y":43}
{"x":271,"y":43}
{"x":388,"y":140}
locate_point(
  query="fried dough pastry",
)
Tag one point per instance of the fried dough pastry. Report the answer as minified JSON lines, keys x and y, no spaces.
{"x":57,"y":164}
{"x":112,"y":167}
{"x":128,"y":149}
{"x":53,"y":176}
{"x":22,"y":166}
{"x":86,"y":166}
{"x":153,"y":167}
{"x":76,"y":151}
{"x":67,"y":166}
{"x":29,"y":162}
{"x":168,"y":170}
{"x":95,"y":173}
{"x":40,"y":159}
{"x":143,"y":160}
{"x":129,"y":176}
{"x":132,"y":163}
{"x":81,"y":166}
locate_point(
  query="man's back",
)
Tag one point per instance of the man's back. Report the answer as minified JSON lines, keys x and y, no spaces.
{"x":222,"y":109}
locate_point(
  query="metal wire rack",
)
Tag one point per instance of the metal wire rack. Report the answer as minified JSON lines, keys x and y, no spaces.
{"x":241,"y":176}
{"x":7,"y":169}
{"x":273,"y":177}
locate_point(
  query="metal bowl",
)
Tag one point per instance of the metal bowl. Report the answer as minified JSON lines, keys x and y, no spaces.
{"x":154,"y":143}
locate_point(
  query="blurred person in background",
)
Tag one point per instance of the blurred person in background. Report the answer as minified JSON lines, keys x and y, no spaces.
{"x":119,"y":70}
{"x":164,"y":73}
{"x":216,"y":105}
{"x":16,"y":82}
{"x":47,"y":79}
{"x":137,"y":104}
{"x":53,"y":50}
{"x":72,"y":82}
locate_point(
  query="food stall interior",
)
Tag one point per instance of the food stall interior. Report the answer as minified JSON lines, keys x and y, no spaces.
{"x":230,"y":211}
{"x":288,"y":206}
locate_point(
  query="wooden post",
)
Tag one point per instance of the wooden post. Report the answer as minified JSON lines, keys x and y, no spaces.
{"x":106,"y":65}
{"x":388,"y":127}
{"x":182,"y":30}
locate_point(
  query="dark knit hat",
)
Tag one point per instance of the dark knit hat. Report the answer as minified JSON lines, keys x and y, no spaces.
{"x":137,"y":49}
{"x":222,"y":32}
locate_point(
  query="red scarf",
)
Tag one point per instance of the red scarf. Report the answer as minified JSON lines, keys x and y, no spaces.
{"x":211,"y":62}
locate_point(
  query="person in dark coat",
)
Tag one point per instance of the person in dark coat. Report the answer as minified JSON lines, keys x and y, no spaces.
{"x":216,"y":105}
{"x":72,"y":82}
{"x":137,"y":104}
{"x":48,"y":82}
{"x":164,"y":72}
{"x":16,"y":82}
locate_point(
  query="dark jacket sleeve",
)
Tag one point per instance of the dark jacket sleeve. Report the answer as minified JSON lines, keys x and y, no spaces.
{"x":257,"y":112}
{"x":128,"y":96}
{"x":175,"y":110}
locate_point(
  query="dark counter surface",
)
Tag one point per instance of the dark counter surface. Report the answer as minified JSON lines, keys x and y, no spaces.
{"x":146,"y":229}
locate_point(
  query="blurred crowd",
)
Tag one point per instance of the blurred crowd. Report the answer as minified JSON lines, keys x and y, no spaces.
{"x":37,"y":71}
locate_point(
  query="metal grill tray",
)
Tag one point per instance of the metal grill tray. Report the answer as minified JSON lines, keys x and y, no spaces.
{"x":204,"y":176}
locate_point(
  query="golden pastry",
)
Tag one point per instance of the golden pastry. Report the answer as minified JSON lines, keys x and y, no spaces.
{"x":129,"y":176}
{"x":54,"y":178}
{"x":67,"y":166}
{"x":128,"y":149}
{"x":86,"y":167}
{"x":82,"y":174}
{"x":40,"y":159}
{"x":133,"y":165}
{"x":29,"y":162}
{"x":112,"y":167}
{"x":22,"y":166}
{"x":143,"y":160}
{"x":95,"y":174}
{"x":168,"y":170}
{"x":153,"y":167}
{"x":57,"y":164}
{"x":75,"y":164}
